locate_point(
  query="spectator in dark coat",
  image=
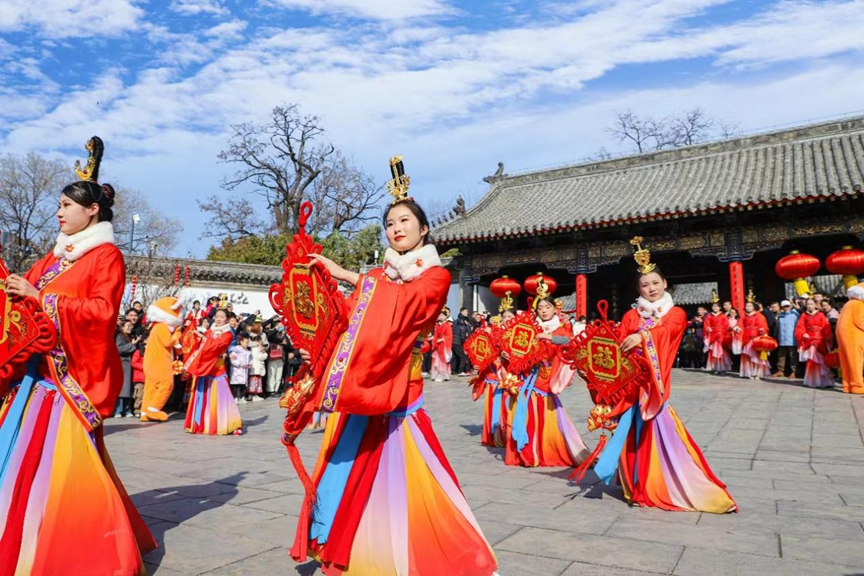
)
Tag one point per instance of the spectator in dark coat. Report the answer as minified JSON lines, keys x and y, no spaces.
{"x":462,"y":328}
{"x":126,"y":345}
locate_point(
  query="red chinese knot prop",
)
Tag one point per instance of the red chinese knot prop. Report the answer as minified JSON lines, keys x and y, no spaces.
{"x":481,"y":349}
{"x":596,"y":354}
{"x":518,"y":338}
{"x":25,"y":330}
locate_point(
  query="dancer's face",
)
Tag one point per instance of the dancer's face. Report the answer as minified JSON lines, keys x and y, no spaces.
{"x":220,"y":318}
{"x":545,"y":310}
{"x":73,"y":217}
{"x":404,"y":231}
{"x":652,"y":286}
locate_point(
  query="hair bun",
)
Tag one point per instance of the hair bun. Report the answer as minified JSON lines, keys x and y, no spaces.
{"x":109,"y":193}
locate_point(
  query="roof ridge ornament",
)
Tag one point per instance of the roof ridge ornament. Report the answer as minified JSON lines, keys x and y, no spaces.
{"x":642,"y":256}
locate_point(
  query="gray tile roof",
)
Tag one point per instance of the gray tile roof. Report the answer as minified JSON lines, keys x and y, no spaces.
{"x":694,"y":293}
{"x":819,"y":160}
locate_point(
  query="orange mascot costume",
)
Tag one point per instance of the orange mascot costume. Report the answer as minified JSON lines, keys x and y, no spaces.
{"x":166,"y":315}
{"x":850,"y":341}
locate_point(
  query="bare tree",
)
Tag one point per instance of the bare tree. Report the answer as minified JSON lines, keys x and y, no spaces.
{"x":601,"y":154}
{"x":232,"y":219}
{"x":690,"y":128}
{"x":645,"y":133}
{"x":279,"y":159}
{"x":29,"y":189}
{"x":727,"y":130}
{"x":157,"y":230}
{"x":343,"y":196}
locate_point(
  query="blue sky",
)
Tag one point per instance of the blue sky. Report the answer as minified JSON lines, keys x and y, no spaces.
{"x":453,"y":86}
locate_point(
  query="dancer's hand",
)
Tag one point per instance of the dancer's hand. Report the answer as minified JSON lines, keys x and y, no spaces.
{"x":304,"y":354}
{"x":335,"y":270}
{"x":18,"y":286}
{"x":631,"y":342}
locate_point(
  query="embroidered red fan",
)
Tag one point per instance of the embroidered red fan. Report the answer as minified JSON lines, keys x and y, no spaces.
{"x":596,"y":353}
{"x":313,"y":312}
{"x":25,"y":330}
{"x":518,"y":338}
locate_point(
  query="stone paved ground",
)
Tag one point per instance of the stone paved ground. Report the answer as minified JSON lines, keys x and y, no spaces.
{"x":792,"y":457}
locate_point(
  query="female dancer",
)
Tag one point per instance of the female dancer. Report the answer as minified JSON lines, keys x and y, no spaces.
{"x":442,"y":347}
{"x":716,"y":326}
{"x":388,"y":501}
{"x":658,"y":462}
{"x":63,"y":509}
{"x":212,"y":409}
{"x":494,"y":433}
{"x":539,"y":432}
{"x":753,"y":324}
{"x":813,"y":334}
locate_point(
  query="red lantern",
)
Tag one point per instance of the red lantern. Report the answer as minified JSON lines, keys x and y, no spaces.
{"x":505,"y":285}
{"x":186,"y":279}
{"x":764,"y":344}
{"x":532,"y":281}
{"x":176,"y":274}
{"x":847,"y":261}
{"x":797,"y":267}
{"x":134,"y":285}
{"x":832,"y":359}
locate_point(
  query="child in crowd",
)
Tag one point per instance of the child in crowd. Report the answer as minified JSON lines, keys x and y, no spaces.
{"x":241,"y":361}
{"x":257,"y":370}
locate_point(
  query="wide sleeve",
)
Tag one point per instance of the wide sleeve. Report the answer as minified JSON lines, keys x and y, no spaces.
{"x":212,"y":348}
{"x":125,"y":348}
{"x":800,"y":330}
{"x":761,"y":324}
{"x":369,"y":370}
{"x":660,"y":347}
{"x":827,"y":335}
{"x":99,"y":308}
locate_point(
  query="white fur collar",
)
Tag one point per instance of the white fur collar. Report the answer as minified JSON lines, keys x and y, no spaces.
{"x":550,"y":326}
{"x":656,"y":309}
{"x":217,"y":331}
{"x":408,"y":266}
{"x":856,"y":292}
{"x":75,"y":246}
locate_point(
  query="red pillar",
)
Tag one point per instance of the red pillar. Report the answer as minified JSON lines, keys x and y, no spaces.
{"x":736,"y":280}
{"x":581,"y":295}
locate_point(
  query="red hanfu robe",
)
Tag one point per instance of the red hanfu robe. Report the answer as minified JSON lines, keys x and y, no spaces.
{"x":388,"y":500}
{"x":752,"y":363}
{"x":716,"y":327}
{"x":813,"y":334}
{"x":659,"y":464}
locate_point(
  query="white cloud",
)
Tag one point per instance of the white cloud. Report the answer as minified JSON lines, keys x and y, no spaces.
{"x":449,"y":98}
{"x":70,"y":18}
{"x":195,"y":7}
{"x":371,"y":9}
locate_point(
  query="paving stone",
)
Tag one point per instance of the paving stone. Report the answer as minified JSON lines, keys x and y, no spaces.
{"x":192,"y":550}
{"x":831,"y":550}
{"x":702,"y":562}
{"x":206,"y":513}
{"x":275,"y":561}
{"x":516,"y":564}
{"x":600,"y":550}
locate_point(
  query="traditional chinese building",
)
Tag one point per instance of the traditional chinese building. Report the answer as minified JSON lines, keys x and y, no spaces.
{"x":718,"y":214}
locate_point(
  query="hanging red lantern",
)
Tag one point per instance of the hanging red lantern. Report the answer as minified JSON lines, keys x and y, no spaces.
{"x":134,"y":285}
{"x":847,"y":261}
{"x":186,"y":279}
{"x":505,"y":285}
{"x":832,"y":359}
{"x":764,"y":344}
{"x":532,"y":281}
{"x":797,"y":267}
{"x":176,"y":274}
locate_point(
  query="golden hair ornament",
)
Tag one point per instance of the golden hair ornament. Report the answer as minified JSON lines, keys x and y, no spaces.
{"x":90,"y":172}
{"x":715,"y":298}
{"x":506,"y":303}
{"x":751,"y":297}
{"x":399,"y":184}
{"x":642,"y":256}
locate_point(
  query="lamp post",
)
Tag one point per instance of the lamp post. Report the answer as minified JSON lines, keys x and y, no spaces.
{"x":135,"y":219}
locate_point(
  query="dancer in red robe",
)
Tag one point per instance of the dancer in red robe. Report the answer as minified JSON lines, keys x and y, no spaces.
{"x":388,"y":501}
{"x":658,"y":463}
{"x":539,"y":431}
{"x":212,"y":409}
{"x":442,"y":347}
{"x":63,"y":510}
{"x":813,"y":334}
{"x":752,"y":324}
{"x":715,"y":327}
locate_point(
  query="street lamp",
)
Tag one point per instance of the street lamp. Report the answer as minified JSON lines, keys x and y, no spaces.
{"x":135,"y":219}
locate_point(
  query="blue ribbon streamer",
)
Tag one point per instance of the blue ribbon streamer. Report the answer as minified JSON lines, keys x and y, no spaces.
{"x":520,"y":418}
{"x":497,"y":396}
{"x":607,"y":464}
{"x":12,"y":422}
